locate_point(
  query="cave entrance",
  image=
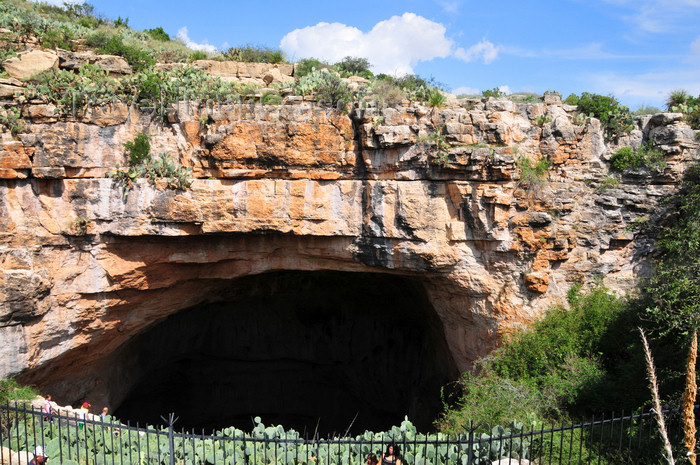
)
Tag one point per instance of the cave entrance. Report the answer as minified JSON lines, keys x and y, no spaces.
{"x":319,"y":351}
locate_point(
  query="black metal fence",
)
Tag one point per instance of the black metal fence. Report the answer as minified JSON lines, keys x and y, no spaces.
{"x":72,"y":440}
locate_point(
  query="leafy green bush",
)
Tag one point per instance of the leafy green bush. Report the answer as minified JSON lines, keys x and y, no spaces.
{"x":254,"y":54}
{"x":490,"y":400}
{"x":113,"y":44}
{"x":675,"y":287}
{"x":307,"y":65}
{"x":572,"y":99}
{"x":645,"y":157}
{"x":158,"y":34}
{"x":614,"y":117}
{"x":570,"y":362}
{"x":59,"y":37}
{"x":495,"y":92}
{"x":354,"y":66}
{"x":138,"y":149}
{"x":10,"y":390}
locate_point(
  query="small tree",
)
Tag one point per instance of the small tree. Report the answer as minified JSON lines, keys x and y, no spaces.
{"x":353,"y":66}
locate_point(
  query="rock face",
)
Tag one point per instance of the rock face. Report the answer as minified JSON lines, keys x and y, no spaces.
{"x":29,"y":63}
{"x":435,"y":197}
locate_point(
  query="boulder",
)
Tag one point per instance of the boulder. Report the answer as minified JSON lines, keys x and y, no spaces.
{"x":111,"y":63}
{"x":275,"y":76}
{"x":30,"y":63}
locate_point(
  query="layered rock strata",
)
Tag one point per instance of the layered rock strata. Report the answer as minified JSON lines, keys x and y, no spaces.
{"x":437,"y":195}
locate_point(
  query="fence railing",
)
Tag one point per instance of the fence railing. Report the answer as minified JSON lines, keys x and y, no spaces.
{"x":72,"y":440}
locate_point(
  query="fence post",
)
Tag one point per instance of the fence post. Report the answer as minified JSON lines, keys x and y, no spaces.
{"x":171,"y":437}
{"x":470,"y":453}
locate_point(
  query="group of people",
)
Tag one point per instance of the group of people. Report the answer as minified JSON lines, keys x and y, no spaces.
{"x":392,"y":456}
{"x":47,"y":409}
{"x":82,"y":412}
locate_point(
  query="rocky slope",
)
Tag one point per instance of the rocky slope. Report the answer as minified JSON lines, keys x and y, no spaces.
{"x":434,"y":195}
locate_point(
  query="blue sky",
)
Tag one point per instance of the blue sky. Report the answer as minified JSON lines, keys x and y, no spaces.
{"x":637,"y":50}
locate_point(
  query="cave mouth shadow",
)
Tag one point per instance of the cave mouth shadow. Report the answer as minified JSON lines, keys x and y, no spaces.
{"x":318,"y":351}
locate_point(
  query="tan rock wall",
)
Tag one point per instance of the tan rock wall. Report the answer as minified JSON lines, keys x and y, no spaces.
{"x":299,"y":187}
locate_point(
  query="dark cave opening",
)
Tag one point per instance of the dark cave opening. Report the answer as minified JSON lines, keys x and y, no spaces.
{"x":324,"y":352}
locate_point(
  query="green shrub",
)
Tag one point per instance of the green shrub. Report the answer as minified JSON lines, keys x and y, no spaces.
{"x":645,"y":157}
{"x":572,"y":99}
{"x":489,"y":400}
{"x":614,"y":117}
{"x":354,"y":66}
{"x":675,"y":287}
{"x":10,"y":390}
{"x":57,"y":38}
{"x":254,"y":54}
{"x":113,"y":44}
{"x":568,"y":362}
{"x":158,"y":34}
{"x":138,"y":149}
{"x":495,"y":92}
{"x":307,"y":65}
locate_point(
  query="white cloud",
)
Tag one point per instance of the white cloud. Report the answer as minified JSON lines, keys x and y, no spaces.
{"x":393,"y":46}
{"x":466,"y":91}
{"x":485,"y":50}
{"x":182,"y":36}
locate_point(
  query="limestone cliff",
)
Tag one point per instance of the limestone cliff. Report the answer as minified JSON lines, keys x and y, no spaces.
{"x":433,"y":195}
